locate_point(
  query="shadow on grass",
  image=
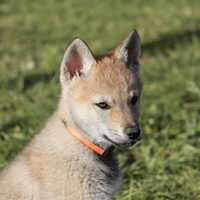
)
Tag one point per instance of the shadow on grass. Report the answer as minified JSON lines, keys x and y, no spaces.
{"x":170,"y":41}
{"x":29,"y":79}
{"x":37,"y":76}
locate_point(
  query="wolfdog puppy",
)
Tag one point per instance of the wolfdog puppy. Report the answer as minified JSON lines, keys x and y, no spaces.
{"x":72,"y":157}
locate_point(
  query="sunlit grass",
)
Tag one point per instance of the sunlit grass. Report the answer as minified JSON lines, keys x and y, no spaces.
{"x":33,"y":37}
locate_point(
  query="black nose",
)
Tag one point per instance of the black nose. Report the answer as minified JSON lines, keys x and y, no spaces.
{"x":133,"y":132}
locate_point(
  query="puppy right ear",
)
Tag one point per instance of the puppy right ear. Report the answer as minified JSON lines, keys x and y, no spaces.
{"x":77,"y":61}
{"x":129,"y":51}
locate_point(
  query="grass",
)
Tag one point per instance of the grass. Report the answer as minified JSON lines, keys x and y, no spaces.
{"x":33,"y":37}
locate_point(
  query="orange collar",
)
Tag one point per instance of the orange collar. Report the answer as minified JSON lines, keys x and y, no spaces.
{"x":92,"y":146}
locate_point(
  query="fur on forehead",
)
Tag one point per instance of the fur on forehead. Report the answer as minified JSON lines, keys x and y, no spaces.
{"x":112,"y":75}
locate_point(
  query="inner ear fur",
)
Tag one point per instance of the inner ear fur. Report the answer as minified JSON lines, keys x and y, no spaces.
{"x":77,"y":60}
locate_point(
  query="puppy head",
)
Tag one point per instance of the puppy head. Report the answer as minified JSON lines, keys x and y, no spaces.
{"x":103,"y":93}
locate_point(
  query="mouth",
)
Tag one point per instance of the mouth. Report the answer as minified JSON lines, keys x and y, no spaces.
{"x":121,"y":144}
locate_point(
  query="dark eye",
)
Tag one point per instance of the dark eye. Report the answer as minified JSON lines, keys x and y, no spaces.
{"x":134,"y":100}
{"x":103,"y":105}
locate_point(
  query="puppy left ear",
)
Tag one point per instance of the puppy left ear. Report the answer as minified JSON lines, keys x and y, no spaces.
{"x":77,"y":60}
{"x":129,"y":51}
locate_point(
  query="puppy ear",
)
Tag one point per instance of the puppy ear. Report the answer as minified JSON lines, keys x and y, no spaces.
{"x":129,"y":51}
{"x":77,"y":60}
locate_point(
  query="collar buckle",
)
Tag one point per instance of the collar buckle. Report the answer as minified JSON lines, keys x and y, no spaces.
{"x":108,"y":150}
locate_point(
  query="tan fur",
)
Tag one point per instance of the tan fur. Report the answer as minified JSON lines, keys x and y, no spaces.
{"x":57,"y":166}
{"x":114,"y":82}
